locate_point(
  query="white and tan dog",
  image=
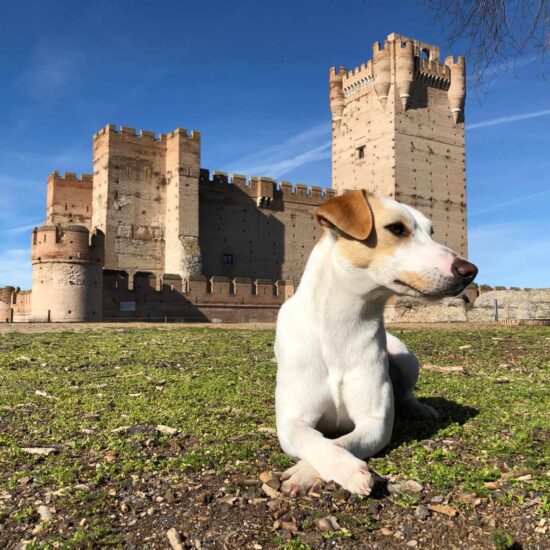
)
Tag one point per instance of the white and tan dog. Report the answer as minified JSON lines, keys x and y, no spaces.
{"x":338,"y":370}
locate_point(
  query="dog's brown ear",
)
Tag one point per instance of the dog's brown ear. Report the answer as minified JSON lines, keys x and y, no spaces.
{"x":350,"y":213}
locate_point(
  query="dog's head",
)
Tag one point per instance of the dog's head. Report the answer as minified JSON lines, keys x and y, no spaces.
{"x":390,"y":244}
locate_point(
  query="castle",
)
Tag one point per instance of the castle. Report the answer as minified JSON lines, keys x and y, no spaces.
{"x":152,"y":235}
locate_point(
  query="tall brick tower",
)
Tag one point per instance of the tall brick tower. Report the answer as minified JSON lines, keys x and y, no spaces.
{"x":398,"y":131}
{"x":146,"y":200}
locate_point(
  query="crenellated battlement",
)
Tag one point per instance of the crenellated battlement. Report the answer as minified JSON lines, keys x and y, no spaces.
{"x":146,"y":135}
{"x":197,"y":290}
{"x":72,"y":243}
{"x":266,"y":191}
{"x":71,"y":177}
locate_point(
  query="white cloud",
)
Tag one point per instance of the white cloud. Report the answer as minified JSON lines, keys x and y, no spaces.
{"x":511,"y":254}
{"x":507,"y":119}
{"x":15,"y":268}
{"x":307,"y":146}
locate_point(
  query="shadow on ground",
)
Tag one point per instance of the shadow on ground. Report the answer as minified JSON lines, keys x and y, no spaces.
{"x":405,"y":430}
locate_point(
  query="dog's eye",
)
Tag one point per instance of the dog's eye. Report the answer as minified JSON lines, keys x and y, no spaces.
{"x":396,"y":228}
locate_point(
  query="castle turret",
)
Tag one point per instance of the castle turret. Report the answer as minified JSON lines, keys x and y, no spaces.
{"x":404,"y":66}
{"x":457,"y":89}
{"x":336,"y":93}
{"x":6,"y":294}
{"x":381,"y":64}
{"x":67,"y":274}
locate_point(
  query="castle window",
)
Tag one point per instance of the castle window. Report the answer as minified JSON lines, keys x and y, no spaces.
{"x":228,"y":259}
{"x":360,"y":152}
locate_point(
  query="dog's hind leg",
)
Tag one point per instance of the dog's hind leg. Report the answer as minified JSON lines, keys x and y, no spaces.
{"x":404,"y":369}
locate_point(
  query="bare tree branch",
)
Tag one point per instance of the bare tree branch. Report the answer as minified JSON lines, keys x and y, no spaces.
{"x":497,"y":32}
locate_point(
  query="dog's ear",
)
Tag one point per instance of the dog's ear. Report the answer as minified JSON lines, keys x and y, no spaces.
{"x":350,"y":213}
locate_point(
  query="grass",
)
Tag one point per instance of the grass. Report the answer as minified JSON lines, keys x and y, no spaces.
{"x":216,"y":388}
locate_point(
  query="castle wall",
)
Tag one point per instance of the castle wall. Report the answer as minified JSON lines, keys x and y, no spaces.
{"x":69,"y":199}
{"x":129,"y":198}
{"x":218,"y":299}
{"x":266,"y":231}
{"x":431,"y":163}
{"x":364,"y":123}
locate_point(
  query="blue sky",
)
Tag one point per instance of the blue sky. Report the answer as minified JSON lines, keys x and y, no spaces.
{"x":253,"y":78}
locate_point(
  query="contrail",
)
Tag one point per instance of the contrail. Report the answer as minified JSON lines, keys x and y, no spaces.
{"x":506,"y":203}
{"x":506,"y":119}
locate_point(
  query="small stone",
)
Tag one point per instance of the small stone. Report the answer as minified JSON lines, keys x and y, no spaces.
{"x":386,"y":532}
{"x":411,"y":486}
{"x":289,"y":526}
{"x":328,"y":524}
{"x":167,"y":430}
{"x":444,"y":509}
{"x":270,"y":492}
{"x":44,"y":451}
{"x":422,"y":512}
{"x":25,"y":480}
{"x":412,"y":544}
{"x":374,"y":508}
{"x":45,"y":513}
{"x":341,"y":494}
{"x":174,"y":539}
{"x":491,"y":485}
{"x":438,"y":499}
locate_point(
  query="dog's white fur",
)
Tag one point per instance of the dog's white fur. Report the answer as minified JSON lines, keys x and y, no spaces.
{"x":338,"y":370}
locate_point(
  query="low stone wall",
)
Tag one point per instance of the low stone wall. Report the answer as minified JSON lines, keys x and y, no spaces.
{"x":411,"y":310}
{"x":512,"y":304}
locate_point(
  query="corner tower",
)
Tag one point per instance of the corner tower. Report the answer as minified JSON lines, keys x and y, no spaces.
{"x":67,"y":279}
{"x":398,"y":131}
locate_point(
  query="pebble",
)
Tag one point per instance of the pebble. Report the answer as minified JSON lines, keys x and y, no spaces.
{"x":374,"y":508}
{"x":411,"y":486}
{"x":422,"y":512}
{"x":386,"y":532}
{"x":329,"y":523}
{"x":174,"y":539}
{"x":45,"y":513}
{"x":412,"y":544}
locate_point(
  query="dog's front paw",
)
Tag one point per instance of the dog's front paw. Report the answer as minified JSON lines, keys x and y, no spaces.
{"x":358,"y":481}
{"x":298,"y":480}
{"x":413,"y":409}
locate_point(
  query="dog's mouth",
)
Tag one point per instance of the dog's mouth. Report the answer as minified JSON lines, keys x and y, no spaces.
{"x":398,"y":282}
{"x":453,"y":291}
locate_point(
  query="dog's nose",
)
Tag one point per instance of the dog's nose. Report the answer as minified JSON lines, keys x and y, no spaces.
{"x":464,"y":270}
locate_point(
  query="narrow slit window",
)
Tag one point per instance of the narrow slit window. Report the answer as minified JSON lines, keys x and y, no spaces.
{"x":228,"y":259}
{"x":361,"y":152}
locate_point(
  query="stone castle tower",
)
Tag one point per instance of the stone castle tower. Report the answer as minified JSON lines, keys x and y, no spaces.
{"x":398,"y":131}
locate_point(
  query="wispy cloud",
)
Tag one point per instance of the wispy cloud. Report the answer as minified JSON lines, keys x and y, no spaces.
{"x":507,"y":119}
{"x":49,"y":72}
{"x":506,"y":203}
{"x":307,"y":146}
{"x":15,"y":268}
{"x":22,"y":229}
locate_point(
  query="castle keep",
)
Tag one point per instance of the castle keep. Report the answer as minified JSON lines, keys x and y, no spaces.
{"x":150,"y":234}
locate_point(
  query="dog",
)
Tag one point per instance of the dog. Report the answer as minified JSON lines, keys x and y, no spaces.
{"x":338,"y":371}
